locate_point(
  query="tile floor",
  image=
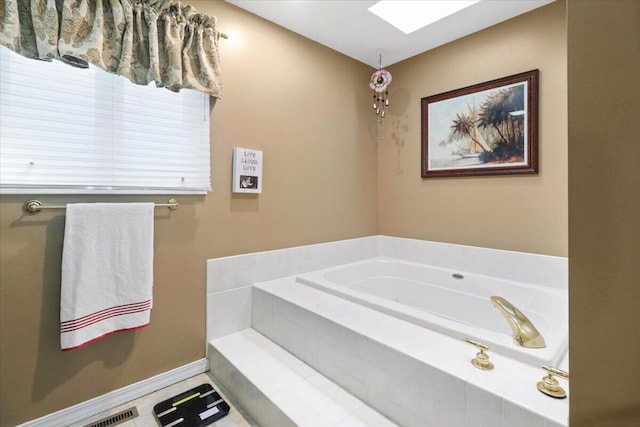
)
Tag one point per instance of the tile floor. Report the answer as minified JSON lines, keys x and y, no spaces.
{"x":145,"y":405}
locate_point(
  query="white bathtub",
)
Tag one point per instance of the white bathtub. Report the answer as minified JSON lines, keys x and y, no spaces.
{"x":451,"y":302}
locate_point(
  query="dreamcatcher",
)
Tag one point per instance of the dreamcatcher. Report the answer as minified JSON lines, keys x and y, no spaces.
{"x":379,"y":82}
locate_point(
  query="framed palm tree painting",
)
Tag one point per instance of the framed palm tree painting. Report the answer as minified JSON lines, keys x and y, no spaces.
{"x":486,"y":129}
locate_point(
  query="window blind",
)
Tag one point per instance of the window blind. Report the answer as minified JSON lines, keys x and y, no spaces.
{"x":70,"y":130}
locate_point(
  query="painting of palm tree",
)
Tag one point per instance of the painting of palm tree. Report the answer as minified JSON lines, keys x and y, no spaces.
{"x":484,"y":129}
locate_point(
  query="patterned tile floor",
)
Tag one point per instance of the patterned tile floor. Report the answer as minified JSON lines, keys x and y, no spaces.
{"x":145,"y":405}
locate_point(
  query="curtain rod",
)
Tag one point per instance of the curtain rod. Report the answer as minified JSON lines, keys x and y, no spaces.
{"x":34,"y":206}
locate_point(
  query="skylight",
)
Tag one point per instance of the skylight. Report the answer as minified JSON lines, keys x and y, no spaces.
{"x":411,"y":15}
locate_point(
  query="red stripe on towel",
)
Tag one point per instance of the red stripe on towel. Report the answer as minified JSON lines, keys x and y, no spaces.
{"x":102,"y":336}
{"x":98,"y":316}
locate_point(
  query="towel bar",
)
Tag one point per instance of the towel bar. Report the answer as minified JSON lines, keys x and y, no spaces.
{"x":34,"y":206}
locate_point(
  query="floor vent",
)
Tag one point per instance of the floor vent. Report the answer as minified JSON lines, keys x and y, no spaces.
{"x":112,"y":420}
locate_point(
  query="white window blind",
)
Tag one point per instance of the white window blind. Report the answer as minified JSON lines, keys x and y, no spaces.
{"x":70,"y":130}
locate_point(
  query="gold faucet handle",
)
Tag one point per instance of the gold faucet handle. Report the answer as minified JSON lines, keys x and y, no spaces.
{"x":481,"y":360}
{"x":550,"y":385}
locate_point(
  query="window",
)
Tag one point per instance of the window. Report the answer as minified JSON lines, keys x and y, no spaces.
{"x":84,"y":131}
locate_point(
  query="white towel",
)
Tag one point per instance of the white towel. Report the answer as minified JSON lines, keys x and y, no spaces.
{"x":107,"y":271}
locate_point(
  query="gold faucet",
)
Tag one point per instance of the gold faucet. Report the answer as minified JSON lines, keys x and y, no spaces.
{"x":524,"y":333}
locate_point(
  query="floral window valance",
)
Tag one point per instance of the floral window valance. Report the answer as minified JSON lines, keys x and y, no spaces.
{"x":162,"y":41}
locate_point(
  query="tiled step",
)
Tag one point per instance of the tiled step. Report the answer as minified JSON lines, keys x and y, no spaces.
{"x":278,"y":390}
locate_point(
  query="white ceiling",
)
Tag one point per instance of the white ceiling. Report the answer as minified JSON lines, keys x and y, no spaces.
{"x":349,"y":28}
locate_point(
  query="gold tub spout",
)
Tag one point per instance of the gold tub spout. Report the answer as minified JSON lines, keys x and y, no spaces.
{"x":524,"y":333}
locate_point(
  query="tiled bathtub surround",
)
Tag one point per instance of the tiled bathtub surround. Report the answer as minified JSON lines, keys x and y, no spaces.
{"x":229,"y":279}
{"x":535,"y":269}
{"x":410,"y":374}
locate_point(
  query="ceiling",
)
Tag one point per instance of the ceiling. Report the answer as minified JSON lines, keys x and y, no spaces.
{"x":349,"y":28}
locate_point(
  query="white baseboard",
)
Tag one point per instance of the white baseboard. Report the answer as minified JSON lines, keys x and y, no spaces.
{"x":119,"y":397}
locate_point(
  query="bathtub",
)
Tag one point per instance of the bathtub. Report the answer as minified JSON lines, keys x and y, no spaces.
{"x":452,"y":302}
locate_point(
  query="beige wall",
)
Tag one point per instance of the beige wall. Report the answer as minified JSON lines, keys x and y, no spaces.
{"x":297,"y":101}
{"x":604,"y":212}
{"x":302,"y":105}
{"x":521,"y":213}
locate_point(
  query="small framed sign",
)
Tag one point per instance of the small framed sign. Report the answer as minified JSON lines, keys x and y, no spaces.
{"x":247,"y":171}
